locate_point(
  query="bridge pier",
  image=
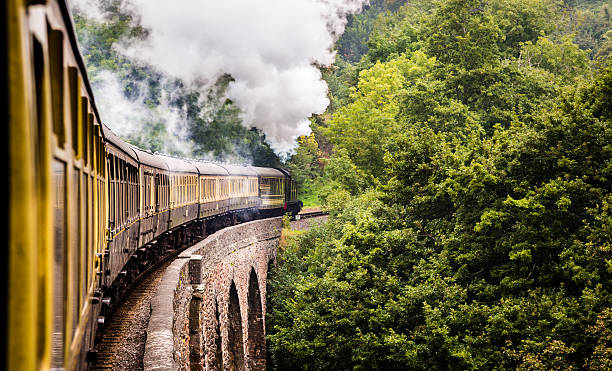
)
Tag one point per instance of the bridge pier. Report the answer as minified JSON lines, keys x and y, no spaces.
{"x":209,"y":312}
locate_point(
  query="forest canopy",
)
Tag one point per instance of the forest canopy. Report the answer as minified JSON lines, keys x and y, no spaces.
{"x":465,"y":163}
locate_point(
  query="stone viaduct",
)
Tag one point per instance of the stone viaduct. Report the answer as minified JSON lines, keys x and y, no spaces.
{"x":209,"y":310}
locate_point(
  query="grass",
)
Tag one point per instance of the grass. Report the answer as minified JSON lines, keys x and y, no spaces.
{"x":311,"y":200}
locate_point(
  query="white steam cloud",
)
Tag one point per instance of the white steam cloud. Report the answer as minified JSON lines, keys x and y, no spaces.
{"x":271,"y":48}
{"x":268,"y":46}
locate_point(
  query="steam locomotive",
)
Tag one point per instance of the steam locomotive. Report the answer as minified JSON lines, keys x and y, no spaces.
{"x":88,"y":212}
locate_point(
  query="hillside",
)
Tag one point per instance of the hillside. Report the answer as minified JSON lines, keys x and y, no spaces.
{"x":465,"y":162}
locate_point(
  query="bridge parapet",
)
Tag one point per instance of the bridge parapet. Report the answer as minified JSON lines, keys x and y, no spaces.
{"x":209,"y":310}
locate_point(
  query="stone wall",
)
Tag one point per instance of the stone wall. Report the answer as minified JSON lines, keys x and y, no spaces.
{"x":209,"y":310}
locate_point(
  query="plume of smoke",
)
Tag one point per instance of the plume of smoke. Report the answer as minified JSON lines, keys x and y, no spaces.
{"x":89,"y":7}
{"x":270,"y":47}
{"x":161,"y":127}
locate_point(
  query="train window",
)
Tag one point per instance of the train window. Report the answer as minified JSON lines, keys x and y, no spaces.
{"x":173,"y":190}
{"x":90,"y":137}
{"x":166,"y":191}
{"x":142,"y":197}
{"x":94,"y":154}
{"x":83,"y":130}
{"x":150,"y":194}
{"x":59,"y":278}
{"x":73,"y":90}
{"x":75,"y":219}
{"x":56,"y":66}
{"x":178,"y":191}
{"x":39,"y":76}
{"x":117,"y":218}
{"x":110,"y":191}
{"x":129,"y":191}
{"x":78,"y":268}
{"x":145,"y":188}
{"x":160,"y":198}
{"x":119,"y":170}
{"x":207,"y":189}
{"x":135,"y":179}
{"x":116,"y":192}
{"x":102,"y":153}
{"x":204,"y":189}
{"x":126,"y":202}
{"x":121,"y":206}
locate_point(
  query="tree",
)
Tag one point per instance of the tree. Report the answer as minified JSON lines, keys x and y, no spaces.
{"x":305,"y":164}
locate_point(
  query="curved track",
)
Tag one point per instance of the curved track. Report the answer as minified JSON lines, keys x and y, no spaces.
{"x":122,"y":340}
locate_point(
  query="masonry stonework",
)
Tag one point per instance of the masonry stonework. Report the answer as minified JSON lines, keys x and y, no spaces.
{"x":218,"y":321}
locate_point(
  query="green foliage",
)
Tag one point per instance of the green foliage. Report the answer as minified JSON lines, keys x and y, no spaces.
{"x":374,"y":108}
{"x":353,"y":43}
{"x":481,"y":252}
{"x":463,"y":33}
{"x":565,"y":60}
{"x":305,"y":165}
{"x":592,"y":23}
{"x":469,"y":200}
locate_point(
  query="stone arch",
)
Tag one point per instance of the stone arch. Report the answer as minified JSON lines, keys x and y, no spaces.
{"x":256,"y":341}
{"x":235,"y":344}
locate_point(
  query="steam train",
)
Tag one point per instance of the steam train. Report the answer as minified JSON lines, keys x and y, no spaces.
{"x":88,"y":212}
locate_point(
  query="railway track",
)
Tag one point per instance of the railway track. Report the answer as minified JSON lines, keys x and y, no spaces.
{"x":312,"y":214}
{"x":123,"y":338}
{"x":305,"y":220}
